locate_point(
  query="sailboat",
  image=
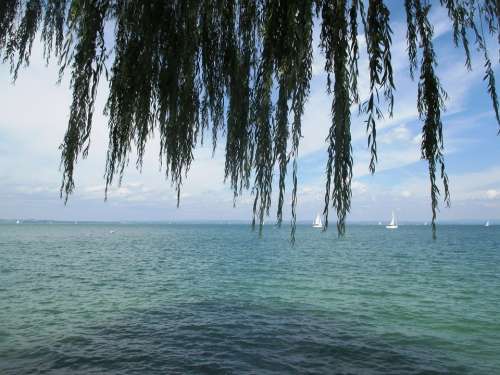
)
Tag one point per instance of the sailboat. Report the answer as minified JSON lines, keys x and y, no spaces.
{"x":18,"y":222}
{"x":487,"y":224}
{"x":393,"y":224}
{"x":317,"y":223}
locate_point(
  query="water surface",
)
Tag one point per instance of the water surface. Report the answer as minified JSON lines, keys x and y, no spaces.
{"x":217,"y":299}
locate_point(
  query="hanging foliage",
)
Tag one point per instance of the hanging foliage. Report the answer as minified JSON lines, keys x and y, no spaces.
{"x":241,"y":68}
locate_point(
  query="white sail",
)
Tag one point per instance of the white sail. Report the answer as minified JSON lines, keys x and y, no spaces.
{"x":393,"y":224}
{"x":487,"y":224}
{"x":317,"y":223}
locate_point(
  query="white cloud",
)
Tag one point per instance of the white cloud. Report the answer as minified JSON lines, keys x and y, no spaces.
{"x":34,"y":117}
{"x":406,"y":193}
{"x":358,"y":187}
{"x":492,"y":194}
{"x":399,"y":133}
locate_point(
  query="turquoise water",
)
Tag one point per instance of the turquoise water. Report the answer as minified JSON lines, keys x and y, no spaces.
{"x":217,"y":299}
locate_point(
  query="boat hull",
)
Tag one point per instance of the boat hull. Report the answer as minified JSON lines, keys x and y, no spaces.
{"x":391,"y":226}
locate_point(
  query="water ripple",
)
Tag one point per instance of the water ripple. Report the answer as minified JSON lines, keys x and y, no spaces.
{"x":216,"y":299}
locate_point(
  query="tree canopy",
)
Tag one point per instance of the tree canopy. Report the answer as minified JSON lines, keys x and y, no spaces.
{"x":242,"y":68}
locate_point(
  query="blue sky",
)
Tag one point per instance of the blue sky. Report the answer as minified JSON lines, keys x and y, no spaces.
{"x":35,"y":112}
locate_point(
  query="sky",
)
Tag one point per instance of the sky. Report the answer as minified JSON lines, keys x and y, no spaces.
{"x":35,"y":111}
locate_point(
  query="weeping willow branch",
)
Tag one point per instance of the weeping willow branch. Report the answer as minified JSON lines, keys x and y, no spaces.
{"x":468,"y":17}
{"x":302,"y":62}
{"x":430,"y":104}
{"x":334,"y":37}
{"x":238,"y":65}
{"x":240,"y":69}
{"x":378,"y":44}
{"x":88,"y":61}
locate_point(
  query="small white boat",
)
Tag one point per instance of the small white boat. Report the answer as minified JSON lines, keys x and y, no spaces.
{"x":425,"y":224}
{"x":487,"y":224}
{"x":317,"y":223}
{"x":111,"y":231}
{"x":18,"y":222}
{"x":379,"y":223}
{"x":394,"y":223}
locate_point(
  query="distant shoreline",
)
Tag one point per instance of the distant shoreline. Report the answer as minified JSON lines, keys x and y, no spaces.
{"x":230,"y":222}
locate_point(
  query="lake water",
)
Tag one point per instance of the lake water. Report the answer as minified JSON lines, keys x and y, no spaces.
{"x":215,"y":299}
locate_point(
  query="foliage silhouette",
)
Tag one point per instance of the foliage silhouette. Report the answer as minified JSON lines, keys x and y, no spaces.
{"x":241,"y":68}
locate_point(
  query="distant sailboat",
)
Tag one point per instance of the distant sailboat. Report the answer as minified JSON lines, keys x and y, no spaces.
{"x":393,"y":224}
{"x":18,"y":222}
{"x":317,"y":222}
{"x":487,"y":224}
{"x":425,"y":224}
{"x":379,"y":223}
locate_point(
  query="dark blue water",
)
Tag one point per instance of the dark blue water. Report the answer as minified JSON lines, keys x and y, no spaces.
{"x":163,"y":299}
